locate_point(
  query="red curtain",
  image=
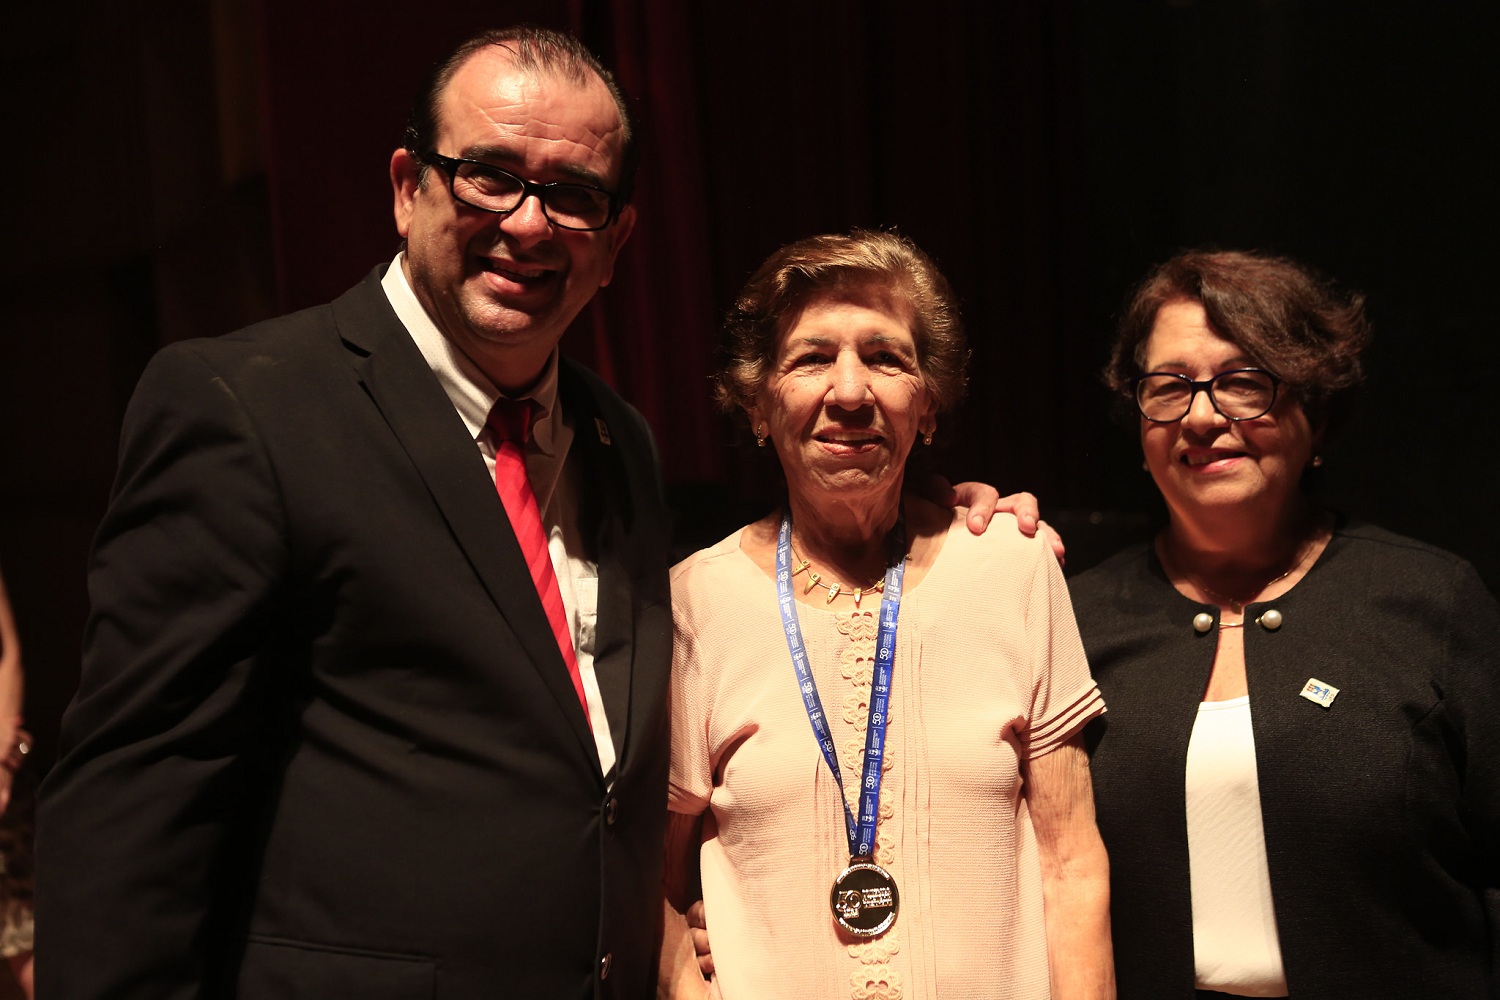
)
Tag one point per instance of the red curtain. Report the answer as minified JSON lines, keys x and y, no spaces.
{"x":761,"y":122}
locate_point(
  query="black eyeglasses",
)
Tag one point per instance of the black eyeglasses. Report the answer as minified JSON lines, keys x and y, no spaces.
{"x":1239,"y":394}
{"x":490,"y":189}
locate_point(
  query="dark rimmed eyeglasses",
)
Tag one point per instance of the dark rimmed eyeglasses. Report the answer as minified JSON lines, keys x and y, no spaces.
{"x":486,"y":187}
{"x":1239,"y":394}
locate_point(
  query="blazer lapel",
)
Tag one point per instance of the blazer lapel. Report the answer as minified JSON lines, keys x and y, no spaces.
{"x":422,"y":418}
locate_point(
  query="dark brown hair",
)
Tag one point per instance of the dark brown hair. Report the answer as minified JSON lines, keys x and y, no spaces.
{"x":812,"y":268}
{"x":1290,"y":320}
{"x":535,"y":50}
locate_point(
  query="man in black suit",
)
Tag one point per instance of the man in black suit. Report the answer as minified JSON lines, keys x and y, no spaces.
{"x":327,"y":743}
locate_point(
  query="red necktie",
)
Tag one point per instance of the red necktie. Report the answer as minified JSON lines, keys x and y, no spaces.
{"x":510,"y":422}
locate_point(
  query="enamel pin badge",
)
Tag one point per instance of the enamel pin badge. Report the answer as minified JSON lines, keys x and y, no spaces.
{"x":1319,"y":693}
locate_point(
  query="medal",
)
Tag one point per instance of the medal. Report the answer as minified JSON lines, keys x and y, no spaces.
{"x":864,"y":898}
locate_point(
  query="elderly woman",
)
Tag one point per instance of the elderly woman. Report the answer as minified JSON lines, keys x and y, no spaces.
{"x":1299,"y":777}
{"x":876,"y":715}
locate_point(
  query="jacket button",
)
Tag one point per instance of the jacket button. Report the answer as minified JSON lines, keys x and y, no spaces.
{"x":611,"y":808}
{"x":1271,"y":620}
{"x":604,"y":965}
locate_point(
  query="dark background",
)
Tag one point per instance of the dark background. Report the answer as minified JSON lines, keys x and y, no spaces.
{"x":180,"y":168}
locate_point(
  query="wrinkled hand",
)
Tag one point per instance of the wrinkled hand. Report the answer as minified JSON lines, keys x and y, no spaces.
{"x":984,"y":502}
{"x":698,"y":927}
{"x":16,"y":751}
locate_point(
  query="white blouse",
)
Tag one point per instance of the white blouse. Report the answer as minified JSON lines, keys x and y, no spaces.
{"x":1235,"y":946}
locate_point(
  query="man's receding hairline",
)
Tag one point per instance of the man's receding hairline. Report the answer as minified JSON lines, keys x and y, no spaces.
{"x":566,"y":70}
{"x":528,"y":60}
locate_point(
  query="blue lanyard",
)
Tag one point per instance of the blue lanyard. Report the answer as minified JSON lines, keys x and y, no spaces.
{"x":861,"y":835}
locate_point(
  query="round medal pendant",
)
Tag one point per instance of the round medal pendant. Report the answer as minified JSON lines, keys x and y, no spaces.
{"x":864,"y":899}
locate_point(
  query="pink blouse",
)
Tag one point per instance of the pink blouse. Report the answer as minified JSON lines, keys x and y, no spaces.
{"x":989,"y":670}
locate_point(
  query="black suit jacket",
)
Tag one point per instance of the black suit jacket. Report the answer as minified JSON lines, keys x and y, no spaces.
{"x":325,"y":744}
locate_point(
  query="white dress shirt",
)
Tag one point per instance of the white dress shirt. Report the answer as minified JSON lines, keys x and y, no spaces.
{"x":473,"y":396}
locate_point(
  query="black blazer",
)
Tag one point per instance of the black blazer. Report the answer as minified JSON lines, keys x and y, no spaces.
{"x":325,"y":744}
{"x":1381,"y":812}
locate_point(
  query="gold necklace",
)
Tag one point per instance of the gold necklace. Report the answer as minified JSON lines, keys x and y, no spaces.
{"x":1237,"y":605}
{"x":834,"y":588}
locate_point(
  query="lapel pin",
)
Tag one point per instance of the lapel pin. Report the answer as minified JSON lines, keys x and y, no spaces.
{"x":1319,"y":692}
{"x":603,"y":430}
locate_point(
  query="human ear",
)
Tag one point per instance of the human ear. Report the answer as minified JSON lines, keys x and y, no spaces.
{"x":405,"y":174}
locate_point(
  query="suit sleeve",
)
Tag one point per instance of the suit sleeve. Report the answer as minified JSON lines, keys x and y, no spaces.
{"x":147,"y":821}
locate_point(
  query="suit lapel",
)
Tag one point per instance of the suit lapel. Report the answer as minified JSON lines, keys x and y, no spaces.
{"x":601,"y":478}
{"x":422,"y":418}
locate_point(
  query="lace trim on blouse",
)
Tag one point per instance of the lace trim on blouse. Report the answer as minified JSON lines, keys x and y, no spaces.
{"x":875,"y":979}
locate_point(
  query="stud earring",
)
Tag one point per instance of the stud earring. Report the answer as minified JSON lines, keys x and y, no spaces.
{"x":1317,"y":461}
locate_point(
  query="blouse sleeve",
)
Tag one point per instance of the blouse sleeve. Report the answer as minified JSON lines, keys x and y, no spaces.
{"x":1063,"y":694}
{"x":690,"y":779}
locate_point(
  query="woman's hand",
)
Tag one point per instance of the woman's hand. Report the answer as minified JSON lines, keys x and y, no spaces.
{"x":679,"y":973}
{"x":698,"y":926}
{"x":984,"y":502}
{"x":15,"y":744}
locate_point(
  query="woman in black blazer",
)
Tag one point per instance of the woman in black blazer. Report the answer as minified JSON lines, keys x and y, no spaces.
{"x":1297,"y":778}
